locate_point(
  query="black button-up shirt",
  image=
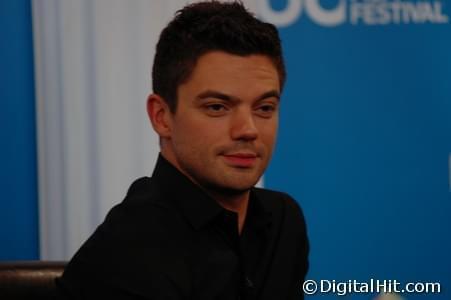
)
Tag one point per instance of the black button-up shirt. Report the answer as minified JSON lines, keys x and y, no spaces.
{"x":170,"y":240}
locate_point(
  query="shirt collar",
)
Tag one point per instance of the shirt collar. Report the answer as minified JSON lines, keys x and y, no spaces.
{"x":259,"y":216}
{"x":195,"y":204}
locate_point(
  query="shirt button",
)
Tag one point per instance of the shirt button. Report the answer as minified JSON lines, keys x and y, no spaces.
{"x":249,"y":283}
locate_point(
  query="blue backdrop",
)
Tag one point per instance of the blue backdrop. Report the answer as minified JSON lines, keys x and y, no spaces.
{"x":18,"y":198}
{"x":365,"y":140}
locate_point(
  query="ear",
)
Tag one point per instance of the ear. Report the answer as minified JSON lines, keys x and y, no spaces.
{"x":159,"y":115}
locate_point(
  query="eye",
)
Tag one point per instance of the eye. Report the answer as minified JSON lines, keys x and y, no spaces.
{"x":216,"y":109}
{"x":266,"y":110}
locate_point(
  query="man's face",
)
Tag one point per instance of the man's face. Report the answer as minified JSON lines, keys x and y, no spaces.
{"x":224,"y":129}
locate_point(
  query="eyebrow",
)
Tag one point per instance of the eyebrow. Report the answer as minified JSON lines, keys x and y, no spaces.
{"x":219,"y":95}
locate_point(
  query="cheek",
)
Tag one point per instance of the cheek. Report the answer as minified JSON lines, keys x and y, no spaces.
{"x":197,"y":134}
{"x":268,"y":131}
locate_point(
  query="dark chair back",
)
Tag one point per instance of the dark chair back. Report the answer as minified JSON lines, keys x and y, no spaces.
{"x":29,"y":279}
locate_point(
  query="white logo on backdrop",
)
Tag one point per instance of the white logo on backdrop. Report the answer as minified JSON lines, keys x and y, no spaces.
{"x":356,"y":12}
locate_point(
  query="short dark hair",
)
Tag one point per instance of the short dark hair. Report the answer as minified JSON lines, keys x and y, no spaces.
{"x":208,"y":26}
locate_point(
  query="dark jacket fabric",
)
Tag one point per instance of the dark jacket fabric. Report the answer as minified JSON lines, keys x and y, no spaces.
{"x":170,"y":240}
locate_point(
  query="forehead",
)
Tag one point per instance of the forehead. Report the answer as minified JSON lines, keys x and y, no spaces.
{"x":229,"y":72}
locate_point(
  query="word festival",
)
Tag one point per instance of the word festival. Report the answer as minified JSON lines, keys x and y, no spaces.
{"x":396,"y":12}
{"x":356,"y":12}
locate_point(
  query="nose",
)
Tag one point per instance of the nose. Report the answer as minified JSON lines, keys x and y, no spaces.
{"x":243,"y":126}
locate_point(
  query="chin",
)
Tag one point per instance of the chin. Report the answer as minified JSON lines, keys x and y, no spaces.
{"x":240,"y":187}
{"x":231,"y":190}
{"x":227,"y":187}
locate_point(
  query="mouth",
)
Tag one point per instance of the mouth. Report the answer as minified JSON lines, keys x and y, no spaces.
{"x":240,"y":159}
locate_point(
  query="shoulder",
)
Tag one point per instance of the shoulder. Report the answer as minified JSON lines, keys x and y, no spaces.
{"x":143,"y":223}
{"x":139,"y":212}
{"x":142,"y":235}
{"x":279,"y":201}
{"x":289,"y":229}
{"x":286,"y":214}
{"x":146,"y":217}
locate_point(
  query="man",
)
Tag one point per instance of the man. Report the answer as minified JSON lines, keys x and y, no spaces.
{"x":198,"y":229}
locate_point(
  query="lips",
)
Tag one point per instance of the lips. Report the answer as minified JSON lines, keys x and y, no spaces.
{"x":241,"y":160}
